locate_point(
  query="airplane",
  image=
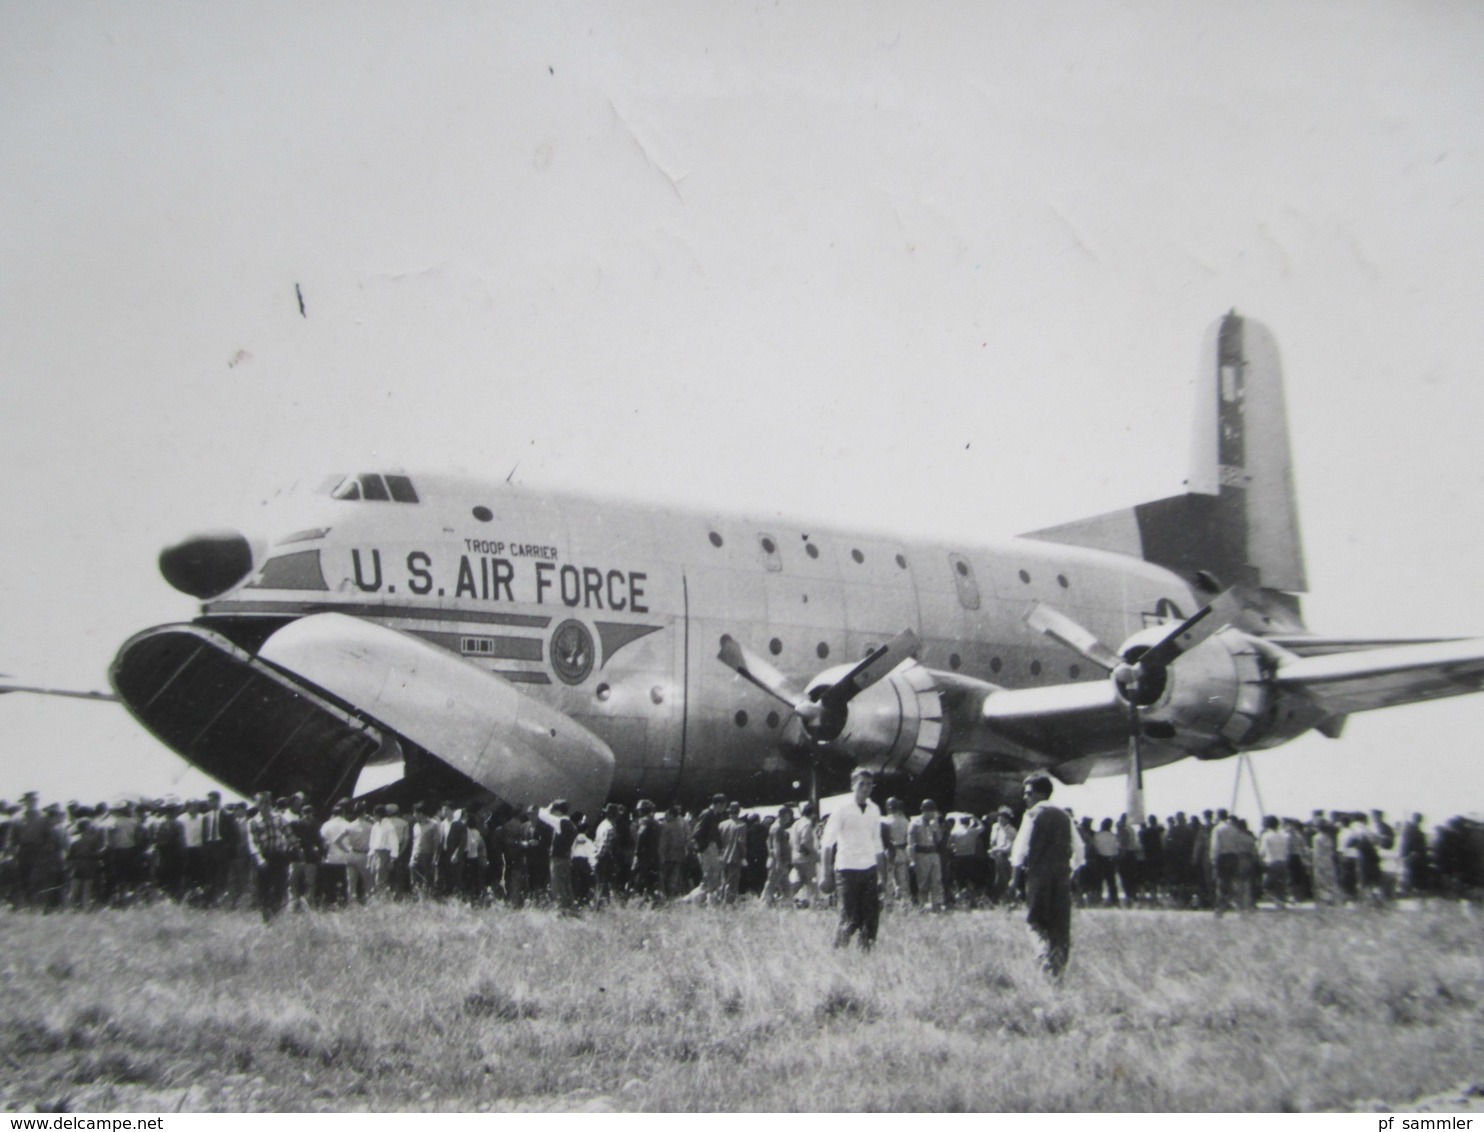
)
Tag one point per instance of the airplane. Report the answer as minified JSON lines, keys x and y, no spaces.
{"x":468,"y":638}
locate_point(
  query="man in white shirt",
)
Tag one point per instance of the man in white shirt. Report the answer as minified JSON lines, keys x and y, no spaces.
{"x":385,"y":846}
{"x":1001,"y":839}
{"x":335,"y":867}
{"x":854,"y":857}
{"x":1273,"y":847}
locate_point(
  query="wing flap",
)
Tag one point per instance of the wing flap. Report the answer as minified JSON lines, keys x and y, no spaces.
{"x":1345,"y":682}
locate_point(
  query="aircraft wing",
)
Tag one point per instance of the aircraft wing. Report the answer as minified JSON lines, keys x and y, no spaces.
{"x":1341,"y":682}
{"x":1309,"y":644}
{"x":9,"y":685}
{"x":1062,"y":721}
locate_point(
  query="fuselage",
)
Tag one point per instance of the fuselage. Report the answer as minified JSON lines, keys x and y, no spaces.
{"x":611,"y":612}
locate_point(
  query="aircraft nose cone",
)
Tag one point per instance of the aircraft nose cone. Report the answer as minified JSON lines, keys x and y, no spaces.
{"x":207,"y":564}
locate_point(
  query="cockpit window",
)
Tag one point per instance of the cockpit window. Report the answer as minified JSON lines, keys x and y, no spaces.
{"x":369,"y":485}
{"x":402,"y":489}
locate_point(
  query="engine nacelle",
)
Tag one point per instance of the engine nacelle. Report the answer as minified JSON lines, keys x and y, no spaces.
{"x":1219,"y":698}
{"x":895,"y":725}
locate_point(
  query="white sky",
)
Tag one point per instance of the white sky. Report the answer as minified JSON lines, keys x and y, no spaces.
{"x":942,"y":269}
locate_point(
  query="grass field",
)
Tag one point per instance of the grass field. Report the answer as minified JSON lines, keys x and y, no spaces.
{"x":442,"y":1007}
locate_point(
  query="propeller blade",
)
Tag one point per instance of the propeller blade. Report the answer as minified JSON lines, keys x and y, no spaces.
{"x":877,"y":663}
{"x":755,"y":670}
{"x":1057,"y":625}
{"x":1205,"y":622}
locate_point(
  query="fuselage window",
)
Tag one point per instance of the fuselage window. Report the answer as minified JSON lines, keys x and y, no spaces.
{"x":771,"y":558}
{"x":373,"y":488}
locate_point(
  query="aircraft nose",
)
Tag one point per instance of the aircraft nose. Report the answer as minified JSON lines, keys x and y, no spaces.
{"x":209,"y":564}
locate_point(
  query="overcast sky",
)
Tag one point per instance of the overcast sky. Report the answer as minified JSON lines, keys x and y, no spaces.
{"x":938,"y":269}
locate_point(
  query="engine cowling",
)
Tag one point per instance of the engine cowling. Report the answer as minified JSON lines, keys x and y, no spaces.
{"x":896,"y":725}
{"x":1219,"y":698}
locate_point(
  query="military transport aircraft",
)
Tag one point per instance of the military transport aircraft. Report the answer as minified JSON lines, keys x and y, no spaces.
{"x":479,"y":638}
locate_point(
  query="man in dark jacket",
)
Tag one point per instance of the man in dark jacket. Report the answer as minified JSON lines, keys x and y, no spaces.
{"x":1043,"y":855}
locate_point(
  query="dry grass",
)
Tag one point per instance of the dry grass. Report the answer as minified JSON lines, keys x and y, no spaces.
{"x":686,"y":1008}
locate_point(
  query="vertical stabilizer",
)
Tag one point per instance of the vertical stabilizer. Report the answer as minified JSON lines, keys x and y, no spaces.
{"x":1237,"y":524}
{"x":1240,"y":453}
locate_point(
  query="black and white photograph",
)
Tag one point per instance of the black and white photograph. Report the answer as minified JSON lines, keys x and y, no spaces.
{"x":797,"y":557}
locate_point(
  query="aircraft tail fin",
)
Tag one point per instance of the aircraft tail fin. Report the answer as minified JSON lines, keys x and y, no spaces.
{"x":1237,"y":523}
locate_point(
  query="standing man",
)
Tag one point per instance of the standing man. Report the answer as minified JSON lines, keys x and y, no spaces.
{"x":453,"y":846}
{"x":270,"y":844}
{"x":780,"y":857}
{"x":563,"y":837}
{"x":646,"y":879}
{"x":854,"y":857}
{"x":517,"y":837}
{"x":706,"y":840}
{"x":674,"y":849}
{"x":424,"y":859}
{"x":216,"y":853}
{"x":334,"y":876}
{"x":1411,"y":852}
{"x":733,"y":837}
{"x":355,"y":843}
{"x":1043,"y":855}
{"x":1226,"y":850}
{"x":1273,"y":848}
{"x":803,"y":846}
{"x":898,"y":863}
{"x":1001,"y":841}
{"x":925,"y":836}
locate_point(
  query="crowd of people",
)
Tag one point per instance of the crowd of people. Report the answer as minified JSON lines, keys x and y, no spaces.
{"x":275,"y":853}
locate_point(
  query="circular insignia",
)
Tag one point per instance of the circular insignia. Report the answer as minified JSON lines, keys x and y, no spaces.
{"x":572,"y":651}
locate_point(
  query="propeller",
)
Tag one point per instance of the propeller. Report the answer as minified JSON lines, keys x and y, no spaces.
{"x":823,"y":709}
{"x":1139,"y":672}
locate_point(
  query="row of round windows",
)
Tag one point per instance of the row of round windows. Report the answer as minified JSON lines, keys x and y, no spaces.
{"x":858,"y":556}
{"x":484,"y":515}
{"x":955,"y":661}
